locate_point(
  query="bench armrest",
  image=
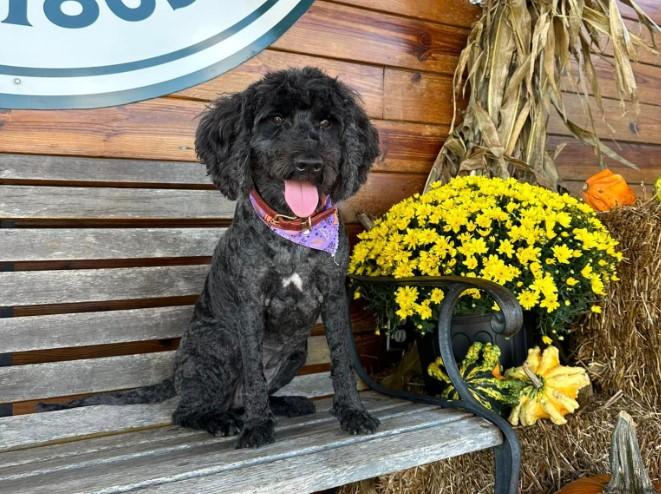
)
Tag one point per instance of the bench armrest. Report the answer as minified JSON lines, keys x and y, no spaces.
{"x":506,"y":322}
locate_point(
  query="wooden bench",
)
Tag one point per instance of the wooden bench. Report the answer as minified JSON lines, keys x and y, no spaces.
{"x":101,"y":256}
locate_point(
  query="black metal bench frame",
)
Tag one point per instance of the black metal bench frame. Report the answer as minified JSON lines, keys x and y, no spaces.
{"x":506,"y":322}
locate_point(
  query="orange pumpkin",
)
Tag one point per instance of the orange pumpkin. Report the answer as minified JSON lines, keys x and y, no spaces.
{"x":592,"y":485}
{"x":625,"y":461}
{"x":607,"y":190}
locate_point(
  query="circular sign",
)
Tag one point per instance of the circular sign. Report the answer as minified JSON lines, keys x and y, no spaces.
{"x":94,"y":53}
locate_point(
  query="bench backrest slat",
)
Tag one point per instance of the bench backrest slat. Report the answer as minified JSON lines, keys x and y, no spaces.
{"x":76,"y":169}
{"x":27,"y":244}
{"x":23,"y":334}
{"x":87,"y":285}
{"x":27,"y":201}
{"x":24,"y":382}
{"x":31,"y":381}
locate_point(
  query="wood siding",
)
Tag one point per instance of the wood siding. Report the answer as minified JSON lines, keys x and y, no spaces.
{"x":398,"y":54}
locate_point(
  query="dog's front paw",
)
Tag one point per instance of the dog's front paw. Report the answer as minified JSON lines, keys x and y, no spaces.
{"x":356,"y":421}
{"x":256,"y":435}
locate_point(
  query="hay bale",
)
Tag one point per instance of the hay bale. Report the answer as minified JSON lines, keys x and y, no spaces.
{"x":552,"y":455}
{"x":621,"y":347}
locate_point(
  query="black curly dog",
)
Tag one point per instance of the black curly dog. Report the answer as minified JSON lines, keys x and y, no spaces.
{"x":248,"y":335}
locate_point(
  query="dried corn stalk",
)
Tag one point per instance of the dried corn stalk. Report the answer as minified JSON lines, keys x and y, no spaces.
{"x":516,"y":55}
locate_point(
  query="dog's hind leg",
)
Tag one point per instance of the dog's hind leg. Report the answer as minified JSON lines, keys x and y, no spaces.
{"x":206,"y":383}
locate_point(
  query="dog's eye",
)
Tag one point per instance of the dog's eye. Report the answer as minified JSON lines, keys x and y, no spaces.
{"x":277,"y":119}
{"x":325,"y":123}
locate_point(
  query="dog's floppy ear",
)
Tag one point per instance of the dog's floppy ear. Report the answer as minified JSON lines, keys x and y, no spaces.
{"x":222,"y":143}
{"x":360,"y":146}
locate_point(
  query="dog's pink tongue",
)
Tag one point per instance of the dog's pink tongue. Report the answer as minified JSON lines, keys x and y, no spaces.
{"x":301,"y":197}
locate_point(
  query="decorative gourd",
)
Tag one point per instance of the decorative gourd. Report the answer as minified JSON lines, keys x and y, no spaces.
{"x":629,"y":473}
{"x":606,"y":190}
{"x":481,"y":371}
{"x":550,"y":389}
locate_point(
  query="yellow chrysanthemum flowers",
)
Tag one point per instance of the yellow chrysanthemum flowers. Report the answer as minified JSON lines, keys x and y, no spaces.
{"x":549,"y":249}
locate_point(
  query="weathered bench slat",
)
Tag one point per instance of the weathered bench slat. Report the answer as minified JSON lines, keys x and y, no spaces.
{"x":33,"y":381}
{"x":85,"y":285}
{"x":72,"y":168}
{"x":54,"y":244}
{"x":70,"y":450}
{"x":220,"y":456}
{"x":27,"y":201}
{"x":21,"y":334}
{"x":23,"y":431}
{"x":338,"y":465}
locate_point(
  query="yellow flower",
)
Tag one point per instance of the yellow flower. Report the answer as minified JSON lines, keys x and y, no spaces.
{"x":495,"y":269}
{"x":545,"y":285}
{"x":550,"y":303}
{"x":403,"y":271}
{"x":473,"y":292}
{"x":546,"y":340}
{"x":572,"y":281}
{"x":586,"y":272}
{"x":562,"y":253}
{"x":356,"y":295}
{"x":528,"y":254}
{"x":506,"y":248}
{"x":437,"y":295}
{"x":597,"y":285}
{"x":428,"y":264}
{"x":596,"y":309}
{"x":528,"y":299}
{"x":470,"y":246}
{"x":424,"y":311}
{"x":406,"y":297}
{"x":470,"y":262}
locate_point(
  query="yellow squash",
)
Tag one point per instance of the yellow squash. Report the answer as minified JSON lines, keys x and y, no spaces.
{"x":552,"y":388}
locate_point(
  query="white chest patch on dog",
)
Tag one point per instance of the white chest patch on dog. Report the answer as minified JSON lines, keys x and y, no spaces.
{"x":295,"y":279}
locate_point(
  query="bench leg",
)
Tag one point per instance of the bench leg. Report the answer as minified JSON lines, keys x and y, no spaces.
{"x":507,"y":469}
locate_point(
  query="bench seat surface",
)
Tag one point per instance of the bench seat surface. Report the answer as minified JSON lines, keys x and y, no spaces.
{"x":310,"y":453}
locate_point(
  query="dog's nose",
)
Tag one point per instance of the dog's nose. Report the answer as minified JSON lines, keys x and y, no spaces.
{"x":308,"y":164}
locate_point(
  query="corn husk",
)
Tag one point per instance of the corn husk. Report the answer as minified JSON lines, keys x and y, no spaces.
{"x":515,"y":58}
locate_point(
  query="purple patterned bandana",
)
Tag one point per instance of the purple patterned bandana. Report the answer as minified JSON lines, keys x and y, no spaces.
{"x":322,"y":235}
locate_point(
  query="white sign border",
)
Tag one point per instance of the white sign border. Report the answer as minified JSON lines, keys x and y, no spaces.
{"x":121,"y":97}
